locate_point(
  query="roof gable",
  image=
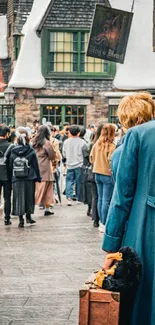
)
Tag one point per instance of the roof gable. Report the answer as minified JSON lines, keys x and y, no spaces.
{"x":69,"y":13}
{"x":23,"y":10}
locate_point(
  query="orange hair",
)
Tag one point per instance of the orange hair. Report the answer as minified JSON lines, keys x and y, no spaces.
{"x":106,"y":137}
{"x":136,"y":109}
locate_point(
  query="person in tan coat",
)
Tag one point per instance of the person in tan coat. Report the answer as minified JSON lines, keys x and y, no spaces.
{"x":100,"y":158}
{"x":46,"y":156}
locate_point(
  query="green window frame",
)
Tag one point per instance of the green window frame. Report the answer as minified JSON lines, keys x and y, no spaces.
{"x":113,"y":118}
{"x":64,"y":54}
{"x":59,"y":114}
{"x":17,"y":45}
{"x":7,"y":115}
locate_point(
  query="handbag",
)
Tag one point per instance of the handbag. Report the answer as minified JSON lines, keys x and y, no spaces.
{"x":90,"y":175}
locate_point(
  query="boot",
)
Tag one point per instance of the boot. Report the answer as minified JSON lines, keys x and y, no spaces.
{"x":21,"y":222}
{"x":89,"y":211}
{"x":7,"y":221}
{"x":96,"y":223}
{"x":29,"y":219}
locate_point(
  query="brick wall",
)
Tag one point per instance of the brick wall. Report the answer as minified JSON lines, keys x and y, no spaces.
{"x":27,"y":111}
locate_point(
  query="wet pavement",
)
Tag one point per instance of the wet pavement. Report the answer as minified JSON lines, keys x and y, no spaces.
{"x":42,"y":267}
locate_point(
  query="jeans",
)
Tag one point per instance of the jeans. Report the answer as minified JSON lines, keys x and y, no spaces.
{"x":7,"y":186}
{"x":105,"y":190}
{"x":73,"y":177}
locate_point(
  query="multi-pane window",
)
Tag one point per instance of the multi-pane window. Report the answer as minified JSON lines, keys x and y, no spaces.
{"x":57,"y":115}
{"x":113,"y":118}
{"x":68,"y":54}
{"x":75,"y":115}
{"x":53,"y":114}
{"x":7,"y":115}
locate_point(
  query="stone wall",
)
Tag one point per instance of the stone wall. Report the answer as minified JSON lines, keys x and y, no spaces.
{"x":27,"y":111}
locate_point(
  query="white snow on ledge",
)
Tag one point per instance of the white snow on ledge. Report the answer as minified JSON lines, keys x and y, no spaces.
{"x":27,"y":72}
{"x":138,"y":70}
{"x":3,"y":38}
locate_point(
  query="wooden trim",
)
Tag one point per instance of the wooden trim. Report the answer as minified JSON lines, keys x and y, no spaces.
{"x":45,"y":43}
{"x":84,"y":307}
{"x":61,"y":96}
{"x":45,"y":15}
{"x":114,"y":311}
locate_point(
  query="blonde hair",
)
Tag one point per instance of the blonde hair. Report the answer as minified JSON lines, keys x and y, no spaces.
{"x":106,"y":137}
{"x":136,"y":109}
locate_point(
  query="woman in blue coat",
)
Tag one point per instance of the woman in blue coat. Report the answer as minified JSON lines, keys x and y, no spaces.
{"x":131,"y":217}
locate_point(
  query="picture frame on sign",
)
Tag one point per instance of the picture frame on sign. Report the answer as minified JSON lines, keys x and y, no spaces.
{"x":109,"y":34}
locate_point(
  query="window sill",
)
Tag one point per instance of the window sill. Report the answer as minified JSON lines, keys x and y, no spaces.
{"x":82,"y":76}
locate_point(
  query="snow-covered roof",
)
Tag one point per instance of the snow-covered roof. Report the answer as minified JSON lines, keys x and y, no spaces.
{"x":69,"y":14}
{"x":23,"y":10}
{"x":138,"y":70}
{"x":27,"y":72}
{"x":3,"y":38}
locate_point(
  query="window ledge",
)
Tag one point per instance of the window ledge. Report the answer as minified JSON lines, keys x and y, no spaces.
{"x":71,"y":77}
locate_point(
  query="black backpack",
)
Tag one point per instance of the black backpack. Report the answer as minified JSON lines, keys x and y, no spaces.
{"x":21,"y":167}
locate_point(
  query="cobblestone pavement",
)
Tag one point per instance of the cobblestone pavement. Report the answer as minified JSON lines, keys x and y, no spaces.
{"x":42,"y":267}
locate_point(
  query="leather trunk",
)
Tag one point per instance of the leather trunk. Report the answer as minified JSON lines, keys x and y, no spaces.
{"x":98,"y":306}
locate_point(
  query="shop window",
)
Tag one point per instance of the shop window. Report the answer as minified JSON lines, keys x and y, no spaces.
{"x":57,"y":115}
{"x":113,"y":118}
{"x":53,"y":114}
{"x":7,"y":115}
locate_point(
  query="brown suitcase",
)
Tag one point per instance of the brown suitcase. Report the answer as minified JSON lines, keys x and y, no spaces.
{"x":98,"y":306}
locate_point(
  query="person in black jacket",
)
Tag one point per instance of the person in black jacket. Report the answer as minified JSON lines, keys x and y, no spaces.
{"x":23,"y":179}
{"x":5,"y":181}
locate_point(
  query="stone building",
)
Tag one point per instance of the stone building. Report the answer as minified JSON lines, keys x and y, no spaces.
{"x":48,"y":68}
{"x":75,"y":85}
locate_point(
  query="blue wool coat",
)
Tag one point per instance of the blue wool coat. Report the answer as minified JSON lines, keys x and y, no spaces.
{"x":131,"y":217}
{"x":114,"y":161}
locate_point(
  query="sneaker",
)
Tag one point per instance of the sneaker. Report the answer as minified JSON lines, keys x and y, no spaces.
{"x":41,"y":206}
{"x":89,"y":212}
{"x":48,"y":213}
{"x":101,"y":228}
{"x":69,"y":203}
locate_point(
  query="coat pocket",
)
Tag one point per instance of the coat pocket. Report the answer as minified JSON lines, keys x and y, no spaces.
{"x":151,"y":201}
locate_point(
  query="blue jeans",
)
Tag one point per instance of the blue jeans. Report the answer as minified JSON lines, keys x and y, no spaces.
{"x":73,"y":177}
{"x":105,"y":190}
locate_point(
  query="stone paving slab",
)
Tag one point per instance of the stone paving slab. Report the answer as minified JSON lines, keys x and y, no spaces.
{"x":42,"y":267}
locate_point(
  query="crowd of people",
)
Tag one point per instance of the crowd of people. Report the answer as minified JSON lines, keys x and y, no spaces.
{"x":30,"y":162}
{"x":109,"y":169}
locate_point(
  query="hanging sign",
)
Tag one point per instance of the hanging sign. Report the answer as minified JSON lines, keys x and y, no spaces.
{"x":109,"y":34}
